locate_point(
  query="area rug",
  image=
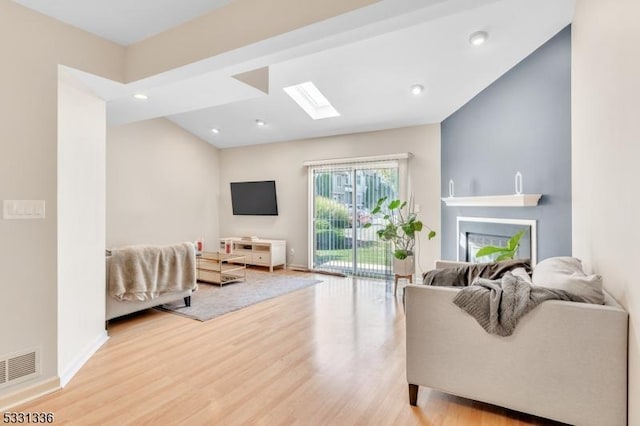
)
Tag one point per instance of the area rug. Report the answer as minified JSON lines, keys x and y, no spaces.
{"x":211,"y":300}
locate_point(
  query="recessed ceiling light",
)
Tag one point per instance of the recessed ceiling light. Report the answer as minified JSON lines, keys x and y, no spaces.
{"x":416,"y":89}
{"x":141,"y":96}
{"x":311,"y":100}
{"x":478,"y":38}
{"x":214,"y":130}
{"x":260,"y":122}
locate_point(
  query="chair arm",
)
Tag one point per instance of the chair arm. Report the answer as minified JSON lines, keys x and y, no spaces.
{"x":442,"y":264}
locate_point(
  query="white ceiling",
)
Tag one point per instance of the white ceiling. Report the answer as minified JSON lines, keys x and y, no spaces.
{"x":364,"y":62}
{"x":124,"y":21}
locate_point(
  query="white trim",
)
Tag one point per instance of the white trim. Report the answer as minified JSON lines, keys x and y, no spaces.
{"x":82,"y":358}
{"x":385,"y":157}
{"x":303,"y":268}
{"x":349,"y":167}
{"x":29,"y":393}
{"x":515,"y":200}
{"x":391,"y":161}
{"x":310,"y":224}
{"x":527,"y":222}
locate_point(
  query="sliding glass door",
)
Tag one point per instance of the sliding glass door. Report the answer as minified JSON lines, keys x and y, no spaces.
{"x":342,"y":200}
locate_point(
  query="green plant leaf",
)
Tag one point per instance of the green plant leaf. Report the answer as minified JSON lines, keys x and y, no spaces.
{"x":400,"y":254}
{"x":400,"y":226}
{"x":485,"y":251}
{"x":505,"y":253}
{"x":367,"y":225}
{"x":512,"y":244}
{"x":505,"y":256}
{"x":394,"y":204}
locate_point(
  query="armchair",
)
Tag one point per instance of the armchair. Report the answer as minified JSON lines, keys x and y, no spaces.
{"x":565,"y":361}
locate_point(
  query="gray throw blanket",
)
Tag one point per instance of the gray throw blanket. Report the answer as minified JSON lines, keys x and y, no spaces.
{"x":497,"y":305}
{"x":146,"y":272}
{"x":464,"y":275}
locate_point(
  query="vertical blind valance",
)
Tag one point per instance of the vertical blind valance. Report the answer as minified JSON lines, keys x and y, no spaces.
{"x":353,"y":160}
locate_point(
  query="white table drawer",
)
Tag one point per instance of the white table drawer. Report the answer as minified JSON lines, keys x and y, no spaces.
{"x":261,"y":258}
{"x":241,"y":252}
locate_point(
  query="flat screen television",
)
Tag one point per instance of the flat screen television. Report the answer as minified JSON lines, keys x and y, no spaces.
{"x":254,"y":198}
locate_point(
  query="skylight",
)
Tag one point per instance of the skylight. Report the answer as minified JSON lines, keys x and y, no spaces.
{"x":311,"y":100}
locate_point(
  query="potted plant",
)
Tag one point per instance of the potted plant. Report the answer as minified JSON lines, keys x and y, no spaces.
{"x":400,"y":227}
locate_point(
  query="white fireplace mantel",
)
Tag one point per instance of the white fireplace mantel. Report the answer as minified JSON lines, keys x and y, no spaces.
{"x":515,"y":200}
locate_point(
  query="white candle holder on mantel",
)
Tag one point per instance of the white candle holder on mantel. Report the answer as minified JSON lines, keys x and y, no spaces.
{"x":518,"y":183}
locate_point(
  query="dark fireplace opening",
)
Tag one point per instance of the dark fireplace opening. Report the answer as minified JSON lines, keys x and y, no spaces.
{"x":475,"y":233}
{"x":476,"y":241}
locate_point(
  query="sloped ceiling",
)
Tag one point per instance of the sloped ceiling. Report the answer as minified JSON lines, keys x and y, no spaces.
{"x":364,"y":62}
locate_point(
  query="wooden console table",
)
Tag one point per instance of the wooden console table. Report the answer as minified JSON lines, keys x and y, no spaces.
{"x":269,"y":253}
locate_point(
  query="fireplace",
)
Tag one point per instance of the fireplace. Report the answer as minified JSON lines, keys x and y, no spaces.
{"x":476,"y":232}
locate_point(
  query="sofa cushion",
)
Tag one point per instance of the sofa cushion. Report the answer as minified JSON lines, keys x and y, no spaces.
{"x":463,"y":275}
{"x":566,"y":273}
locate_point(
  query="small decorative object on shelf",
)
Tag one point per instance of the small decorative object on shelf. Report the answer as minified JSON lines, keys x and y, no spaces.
{"x":451,"y":188}
{"x":518,"y":183}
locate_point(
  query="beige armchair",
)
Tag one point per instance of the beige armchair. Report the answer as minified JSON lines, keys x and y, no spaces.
{"x":565,"y":361}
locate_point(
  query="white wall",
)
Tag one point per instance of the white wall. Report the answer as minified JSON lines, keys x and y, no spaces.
{"x":605,"y":156}
{"x":282,"y":162}
{"x":81,"y":224}
{"x":162,"y":185}
{"x":31,"y":47}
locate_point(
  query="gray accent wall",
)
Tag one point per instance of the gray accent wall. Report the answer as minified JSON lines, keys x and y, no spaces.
{"x":521,"y":122}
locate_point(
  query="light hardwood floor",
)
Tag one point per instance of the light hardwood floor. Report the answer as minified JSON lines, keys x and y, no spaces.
{"x":332,"y":354}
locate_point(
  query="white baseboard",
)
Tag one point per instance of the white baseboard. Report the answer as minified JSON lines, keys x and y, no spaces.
{"x":29,"y":393}
{"x":302,"y":268}
{"x":82,"y":358}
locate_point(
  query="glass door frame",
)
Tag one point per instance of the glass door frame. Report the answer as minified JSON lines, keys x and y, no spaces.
{"x":400,"y":161}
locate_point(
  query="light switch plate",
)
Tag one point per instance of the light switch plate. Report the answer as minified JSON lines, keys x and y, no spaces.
{"x":23,"y":209}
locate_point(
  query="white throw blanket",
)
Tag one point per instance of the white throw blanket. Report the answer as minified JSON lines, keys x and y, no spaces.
{"x":146,"y":272}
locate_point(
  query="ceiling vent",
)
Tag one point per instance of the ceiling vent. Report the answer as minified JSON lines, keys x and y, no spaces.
{"x":19,"y":367}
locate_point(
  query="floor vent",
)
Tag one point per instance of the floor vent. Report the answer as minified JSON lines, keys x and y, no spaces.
{"x":19,"y":367}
